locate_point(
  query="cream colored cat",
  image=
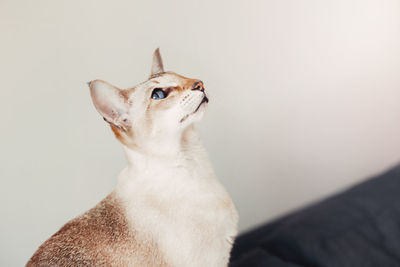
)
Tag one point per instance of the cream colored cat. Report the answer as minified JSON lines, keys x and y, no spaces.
{"x":168,"y":209}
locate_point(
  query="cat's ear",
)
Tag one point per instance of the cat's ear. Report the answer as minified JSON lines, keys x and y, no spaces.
{"x":157,"y":64}
{"x":111,"y":103}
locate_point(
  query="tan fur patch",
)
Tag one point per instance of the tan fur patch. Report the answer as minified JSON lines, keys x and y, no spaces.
{"x":99,"y":237}
{"x":122,"y":136}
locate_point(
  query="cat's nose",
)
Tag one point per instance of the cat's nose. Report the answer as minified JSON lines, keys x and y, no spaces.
{"x":198,"y":86}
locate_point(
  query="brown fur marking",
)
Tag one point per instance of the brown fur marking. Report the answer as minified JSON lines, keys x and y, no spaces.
{"x":99,"y":237}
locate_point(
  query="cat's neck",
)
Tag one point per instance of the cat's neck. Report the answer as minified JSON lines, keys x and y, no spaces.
{"x":173,"y":153}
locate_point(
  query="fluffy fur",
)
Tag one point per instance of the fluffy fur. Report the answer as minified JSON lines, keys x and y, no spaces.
{"x":168,"y":209}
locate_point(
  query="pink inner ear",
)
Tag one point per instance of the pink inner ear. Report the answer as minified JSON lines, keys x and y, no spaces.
{"x":109,"y":102}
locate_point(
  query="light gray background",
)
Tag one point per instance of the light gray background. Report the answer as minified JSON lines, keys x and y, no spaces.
{"x":305,"y":100}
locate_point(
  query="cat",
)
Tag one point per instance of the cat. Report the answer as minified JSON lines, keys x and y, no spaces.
{"x":168,"y":208}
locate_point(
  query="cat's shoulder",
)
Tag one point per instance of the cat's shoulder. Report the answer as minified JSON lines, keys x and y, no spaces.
{"x":89,"y":239}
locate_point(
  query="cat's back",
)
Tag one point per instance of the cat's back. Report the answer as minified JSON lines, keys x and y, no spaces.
{"x":100,"y":237}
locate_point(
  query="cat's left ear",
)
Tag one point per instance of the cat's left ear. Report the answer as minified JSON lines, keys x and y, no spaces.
{"x":111,"y":103}
{"x":157,"y":65}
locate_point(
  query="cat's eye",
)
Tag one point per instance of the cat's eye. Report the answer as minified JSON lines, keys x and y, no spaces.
{"x":158,"y":94}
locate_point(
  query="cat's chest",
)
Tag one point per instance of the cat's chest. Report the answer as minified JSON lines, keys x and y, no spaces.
{"x":188,"y":216}
{"x":202,"y":232}
{"x":191,"y":229}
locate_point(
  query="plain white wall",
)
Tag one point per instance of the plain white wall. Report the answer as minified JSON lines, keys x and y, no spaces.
{"x":304,"y":100}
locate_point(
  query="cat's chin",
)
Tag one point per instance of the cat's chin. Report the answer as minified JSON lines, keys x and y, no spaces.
{"x":195,"y":115}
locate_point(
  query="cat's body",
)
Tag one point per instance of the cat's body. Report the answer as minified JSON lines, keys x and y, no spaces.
{"x":168,"y":209}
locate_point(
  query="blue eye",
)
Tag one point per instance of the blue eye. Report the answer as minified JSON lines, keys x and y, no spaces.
{"x":158,"y":94}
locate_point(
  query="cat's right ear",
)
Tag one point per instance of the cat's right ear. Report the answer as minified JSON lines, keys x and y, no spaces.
{"x":157,"y":64}
{"x":111,"y":103}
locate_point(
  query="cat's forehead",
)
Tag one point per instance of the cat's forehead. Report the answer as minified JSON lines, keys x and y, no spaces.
{"x":168,"y":77}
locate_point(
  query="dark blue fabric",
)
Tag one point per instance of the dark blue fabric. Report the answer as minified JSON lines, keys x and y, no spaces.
{"x":356,"y":228}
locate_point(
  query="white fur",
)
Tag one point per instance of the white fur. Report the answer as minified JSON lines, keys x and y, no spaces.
{"x":196,"y":220}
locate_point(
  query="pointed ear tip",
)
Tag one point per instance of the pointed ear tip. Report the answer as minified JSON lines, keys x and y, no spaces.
{"x":94,"y":86}
{"x":97,"y":82}
{"x":157,"y":64}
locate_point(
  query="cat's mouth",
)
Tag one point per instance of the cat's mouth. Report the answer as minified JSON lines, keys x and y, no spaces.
{"x":204,"y":100}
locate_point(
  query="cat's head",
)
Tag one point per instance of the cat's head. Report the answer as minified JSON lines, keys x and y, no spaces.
{"x":157,"y":110}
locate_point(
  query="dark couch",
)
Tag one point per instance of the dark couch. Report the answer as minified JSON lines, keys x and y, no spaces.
{"x":356,"y":228}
